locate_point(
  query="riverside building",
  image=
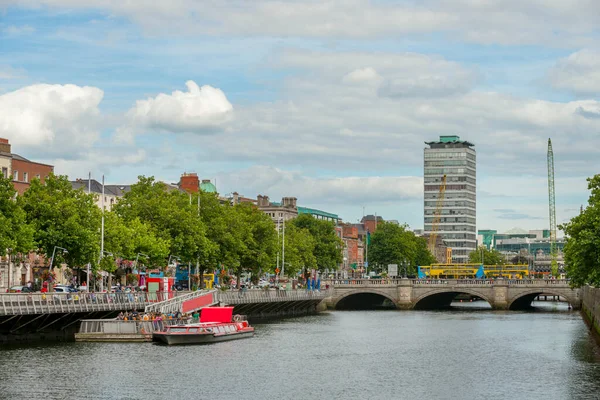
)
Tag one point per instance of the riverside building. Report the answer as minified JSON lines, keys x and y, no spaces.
{"x":456,"y":159}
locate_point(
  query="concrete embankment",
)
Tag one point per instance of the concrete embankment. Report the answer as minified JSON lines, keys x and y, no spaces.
{"x":591,"y":307}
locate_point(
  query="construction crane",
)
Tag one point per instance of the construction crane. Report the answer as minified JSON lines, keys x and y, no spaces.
{"x":437,"y":215}
{"x":552,"y":209}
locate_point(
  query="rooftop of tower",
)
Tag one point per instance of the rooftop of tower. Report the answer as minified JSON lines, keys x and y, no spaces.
{"x":449,"y":141}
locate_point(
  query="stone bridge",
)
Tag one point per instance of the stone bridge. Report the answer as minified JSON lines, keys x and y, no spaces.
{"x":433,"y":294}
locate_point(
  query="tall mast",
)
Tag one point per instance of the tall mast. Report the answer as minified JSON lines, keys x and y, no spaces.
{"x":552,"y":208}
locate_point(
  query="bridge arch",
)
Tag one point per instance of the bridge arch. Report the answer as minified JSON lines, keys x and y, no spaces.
{"x":368,"y":295}
{"x":523,"y":299}
{"x":441,"y":298}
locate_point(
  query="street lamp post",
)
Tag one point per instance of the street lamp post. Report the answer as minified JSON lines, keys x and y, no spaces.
{"x":172,"y":256}
{"x":9,"y":268}
{"x":53,"y":254}
{"x":102,"y":253}
{"x":169,"y":262}
{"x":137,"y":258}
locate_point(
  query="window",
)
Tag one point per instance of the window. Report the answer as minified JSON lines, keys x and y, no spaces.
{"x":25,"y":177}
{"x":16,"y":175}
{"x":37,"y":176}
{"x":4,"y":172}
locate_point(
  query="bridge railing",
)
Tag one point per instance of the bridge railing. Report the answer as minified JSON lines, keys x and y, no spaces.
{"x":46,"y":303}
{"x":175,"y":304}
{"x":446,"y":282}
{"x":362,"y":282}
{"x":271,"y":296}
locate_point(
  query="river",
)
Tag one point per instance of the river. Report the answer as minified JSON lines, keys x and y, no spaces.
{"x":458,"y":354}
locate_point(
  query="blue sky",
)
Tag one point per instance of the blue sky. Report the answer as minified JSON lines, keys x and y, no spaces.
{"x":328,"y":101}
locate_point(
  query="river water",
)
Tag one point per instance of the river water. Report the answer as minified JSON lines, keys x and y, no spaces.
{"x":474,"y":354}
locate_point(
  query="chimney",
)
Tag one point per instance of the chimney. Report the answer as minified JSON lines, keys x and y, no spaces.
{"x":189,"y":182}
{"x":4,"y":146}
{"x":289,"y":202}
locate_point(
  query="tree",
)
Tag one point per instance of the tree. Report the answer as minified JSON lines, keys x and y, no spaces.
{"x":299,"y":249}
{"x":395,"y":244}
{"x":15,"y":233}
{"x":422,"y":256}
{"x":328,"y":246}
{"x":490,"y":257}
{"x":222,"y":241}
{"x":582,"y":247}
{"x":255,"y":240}
{"x":126,"y":239}
{"x":171,"y":215}
{"x":64,"y":217}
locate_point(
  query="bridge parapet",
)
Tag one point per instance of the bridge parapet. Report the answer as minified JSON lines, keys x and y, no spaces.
{"x":499,"y":293}
{"x":271,"y":296}
{"x":558,"y":283}
{"x":52,"y":303}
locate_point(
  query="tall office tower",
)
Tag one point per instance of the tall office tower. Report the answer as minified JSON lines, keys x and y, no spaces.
{"x":456,"y":159}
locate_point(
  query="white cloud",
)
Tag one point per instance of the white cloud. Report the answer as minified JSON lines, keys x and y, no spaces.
{"x":578,"y":73}
{"x":51,"y":119}
{"x":101,"y":161}
{"x":13,"y":30}
{"x":7,"y":72}
{"x":199,"y":110}
{"x":513,"y":22}
{"x":277,"y":183}
{"x":362,"y":75}
{"x":394,"y":74}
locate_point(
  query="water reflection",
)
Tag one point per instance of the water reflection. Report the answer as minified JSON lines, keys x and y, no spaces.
{"x":456,"y":354}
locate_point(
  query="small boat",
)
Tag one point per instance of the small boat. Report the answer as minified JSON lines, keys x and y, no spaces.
{"x":217,"y":324}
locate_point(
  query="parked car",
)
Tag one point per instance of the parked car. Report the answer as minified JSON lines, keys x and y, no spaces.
{"x":20,"y":289}
{"x":64,"y":289}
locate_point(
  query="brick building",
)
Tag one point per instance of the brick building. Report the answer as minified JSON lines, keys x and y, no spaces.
{"x":5,"y":158}
{"x":24,"y":170}
{"x":370,"y":222}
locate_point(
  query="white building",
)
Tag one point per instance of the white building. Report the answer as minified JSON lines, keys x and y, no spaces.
{"x":457,"y":160}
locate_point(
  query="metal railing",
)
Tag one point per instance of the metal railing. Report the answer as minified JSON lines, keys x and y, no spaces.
{"x":271,"y":296}
{"x":362,"y":282}
{"x":120,"y":327}
{"x":175,"y":304}
{"x":341,"y":283}
{"x":47,"y":303}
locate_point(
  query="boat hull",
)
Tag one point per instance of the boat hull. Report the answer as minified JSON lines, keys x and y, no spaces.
{"x":175,"y":339}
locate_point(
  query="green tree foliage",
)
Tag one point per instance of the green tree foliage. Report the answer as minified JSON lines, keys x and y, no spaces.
{"x":125,"y":239}
{"x":15,"y":233}
{"x":255,"y":240}
{"x":64,"y":217}
{"x":328,"y":246}
{"x":299,"y":249}
{"x":222,"y":240}
{"x":395,"y":244}
{"x":422,"y":255}
{"x":490,"y":257}
{"x":582,"y":247}
{"x":171,"y":215}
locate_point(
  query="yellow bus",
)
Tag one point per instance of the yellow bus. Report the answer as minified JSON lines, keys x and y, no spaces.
{"x":473,"y":271}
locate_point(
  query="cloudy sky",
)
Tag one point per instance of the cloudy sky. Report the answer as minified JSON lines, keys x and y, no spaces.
{"x":329,"y":101}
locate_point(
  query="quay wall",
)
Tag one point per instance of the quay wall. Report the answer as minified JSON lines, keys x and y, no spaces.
{"x":591,"y":307}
